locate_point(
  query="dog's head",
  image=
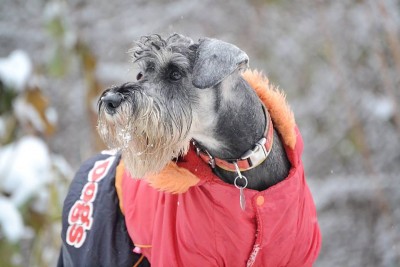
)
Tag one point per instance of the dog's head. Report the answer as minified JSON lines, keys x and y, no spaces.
{"x":174,"y":96}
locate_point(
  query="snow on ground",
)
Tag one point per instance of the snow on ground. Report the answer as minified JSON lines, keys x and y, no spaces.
{"x":25,"y":166}
{"x":15,"y":70}
{"x":11,"y":222}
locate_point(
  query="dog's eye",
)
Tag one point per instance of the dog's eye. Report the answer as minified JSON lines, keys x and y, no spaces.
{"x":139,"y":76}
{"x":175,"y":75}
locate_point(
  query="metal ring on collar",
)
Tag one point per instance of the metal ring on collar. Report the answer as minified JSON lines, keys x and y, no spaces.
{"x":240,"y":177}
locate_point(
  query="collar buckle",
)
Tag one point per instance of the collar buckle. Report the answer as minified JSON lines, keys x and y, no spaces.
{"x":258,"y":154}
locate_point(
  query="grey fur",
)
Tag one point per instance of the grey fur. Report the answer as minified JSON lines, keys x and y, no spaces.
{"x":215,"y":61}
{"x":187,"y":90}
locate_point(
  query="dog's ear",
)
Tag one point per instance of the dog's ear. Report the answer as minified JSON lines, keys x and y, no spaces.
{"x":215,"y":60}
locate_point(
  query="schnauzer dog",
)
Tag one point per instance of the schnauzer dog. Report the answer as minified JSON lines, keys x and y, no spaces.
{"x":193,"y":113}
{"x":186,"y":91}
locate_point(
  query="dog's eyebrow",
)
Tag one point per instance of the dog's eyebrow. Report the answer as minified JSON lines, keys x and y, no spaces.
{"x":179,"y":61}
{"x":170,"y":67}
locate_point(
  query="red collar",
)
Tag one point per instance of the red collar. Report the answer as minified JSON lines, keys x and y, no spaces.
{"x":250,"y":159}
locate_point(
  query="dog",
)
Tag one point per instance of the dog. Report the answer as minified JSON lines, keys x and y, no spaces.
{"x":196,"y":128}
{"x":185,"y":91}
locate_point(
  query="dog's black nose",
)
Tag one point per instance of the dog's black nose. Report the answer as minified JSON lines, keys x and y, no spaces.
{"x":112,"y":101}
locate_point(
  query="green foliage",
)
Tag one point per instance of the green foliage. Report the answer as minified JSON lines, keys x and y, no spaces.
{"x":58,"y":65}
{"x":6,"y":97}
{"x":56,"y":27}
{"x":8,"y":254}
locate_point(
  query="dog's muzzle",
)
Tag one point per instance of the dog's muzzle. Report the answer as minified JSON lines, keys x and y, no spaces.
{"x":111,"y":101}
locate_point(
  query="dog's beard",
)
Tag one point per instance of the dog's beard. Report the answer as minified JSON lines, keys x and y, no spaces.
{"x":149,"y":134}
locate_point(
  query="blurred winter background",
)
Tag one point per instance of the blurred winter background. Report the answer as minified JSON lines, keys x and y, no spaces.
{"x":338,"y":61}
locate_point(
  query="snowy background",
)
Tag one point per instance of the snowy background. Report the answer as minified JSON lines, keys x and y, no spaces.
{"x":338,"y":62}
